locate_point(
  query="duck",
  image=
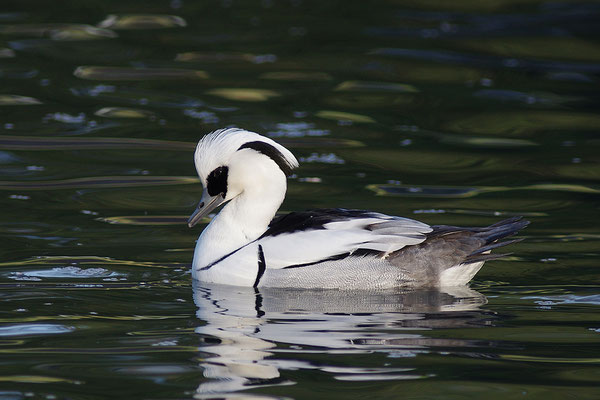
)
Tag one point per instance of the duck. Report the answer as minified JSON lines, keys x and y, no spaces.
{"x":245,"y":244}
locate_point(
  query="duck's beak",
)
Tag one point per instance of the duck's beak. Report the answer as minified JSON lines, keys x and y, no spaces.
{"x":206,"y":205}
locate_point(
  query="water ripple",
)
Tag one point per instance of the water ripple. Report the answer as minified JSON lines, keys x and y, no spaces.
{"x":286,"y":135}
{"x":97,"y":182}
{"x":65,"y":272}
{"x":483,"y":61}
{"x":57,"y":31}
{"x":34,"y":329}
{"x":148,"y":21}
{"x":369,"y":86}
{"x":123,"y":95}
{"x":244,"y":94}
{"x":566,"y":299}
{"x":136,"y":74}
{"x":62,"y":143}
{"x":16,"y":100}
{"x":122,"y":112}
{"x":463,"y":192}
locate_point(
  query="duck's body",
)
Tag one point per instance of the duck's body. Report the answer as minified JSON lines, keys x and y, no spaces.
{"x":328,"y":248}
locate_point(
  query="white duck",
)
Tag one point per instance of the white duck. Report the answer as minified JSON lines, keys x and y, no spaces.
{"x":325,"y":248}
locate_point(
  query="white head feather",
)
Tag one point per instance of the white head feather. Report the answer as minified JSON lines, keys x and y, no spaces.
{"x":217,"y":148}
{"x":255,"y":170}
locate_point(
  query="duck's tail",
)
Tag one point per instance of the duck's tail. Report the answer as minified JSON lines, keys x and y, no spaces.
{"x":492,"y":235}
{"x":452,"y":255}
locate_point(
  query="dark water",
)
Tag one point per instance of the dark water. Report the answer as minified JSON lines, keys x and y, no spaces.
{"x":457,"y":112}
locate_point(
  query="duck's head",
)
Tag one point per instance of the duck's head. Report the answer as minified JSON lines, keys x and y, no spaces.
{"x":230,"y":161}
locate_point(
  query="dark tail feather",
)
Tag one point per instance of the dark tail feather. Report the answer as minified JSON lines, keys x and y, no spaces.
{"x":494,"y":246}
{"x":492,"y":234}
{"x":484,"y":257}
{"x":502,"y":229}
{"x":446,"y":247}
{"x":507,"y":222}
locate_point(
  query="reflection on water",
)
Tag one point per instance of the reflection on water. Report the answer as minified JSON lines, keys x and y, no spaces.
{"x":142,"y":22}
{"x":459,"y":113}
{"x":450,"y":192}
{"x":125,"y":74}
{"x":249,"y":331}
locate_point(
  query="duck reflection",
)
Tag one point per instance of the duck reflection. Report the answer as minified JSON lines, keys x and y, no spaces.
{"x":246,"y":328}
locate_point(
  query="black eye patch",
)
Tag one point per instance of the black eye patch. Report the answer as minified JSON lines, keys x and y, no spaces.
{"x":216,"y":183}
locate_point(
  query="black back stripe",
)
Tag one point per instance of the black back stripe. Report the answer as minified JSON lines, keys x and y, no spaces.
{"x":262,"y":265}
{"x":313,"y":220}
{"x":332,"y":258}
{"x":271,"y":152}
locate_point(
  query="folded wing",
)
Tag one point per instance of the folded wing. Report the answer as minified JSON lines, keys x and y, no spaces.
{"x":310,"y":237}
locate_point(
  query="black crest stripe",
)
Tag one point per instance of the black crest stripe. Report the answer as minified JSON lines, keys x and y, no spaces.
{"x":271,"y":152}
{"x":262,"y":265}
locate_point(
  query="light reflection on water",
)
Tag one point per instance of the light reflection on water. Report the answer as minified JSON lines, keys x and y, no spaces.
{"x":453,"y":113}
{"x":252,"y":326}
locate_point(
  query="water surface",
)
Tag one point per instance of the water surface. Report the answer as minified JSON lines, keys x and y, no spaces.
{"x":460,"y":113}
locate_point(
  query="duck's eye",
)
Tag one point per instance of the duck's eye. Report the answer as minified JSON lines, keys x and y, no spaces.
{"x":216,"y":183}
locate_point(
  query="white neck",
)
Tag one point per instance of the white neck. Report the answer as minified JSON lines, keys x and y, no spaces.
{"x":242,"y":220}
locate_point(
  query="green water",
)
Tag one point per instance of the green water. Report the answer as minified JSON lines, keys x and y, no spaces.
{"x":457,"y":112}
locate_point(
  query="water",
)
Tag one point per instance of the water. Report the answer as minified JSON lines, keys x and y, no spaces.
{"x":460,"y":113}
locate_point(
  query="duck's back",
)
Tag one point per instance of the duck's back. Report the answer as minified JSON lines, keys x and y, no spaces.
{"x":350,"y":249}
{"x":447,"y":256}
